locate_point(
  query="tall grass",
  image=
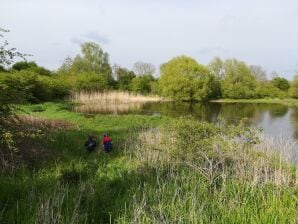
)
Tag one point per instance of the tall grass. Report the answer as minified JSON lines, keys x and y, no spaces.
{"x":231,"y":182}
{"x":110,"y":102}
{"x":112,"y":97}
{"x":161,"y":171}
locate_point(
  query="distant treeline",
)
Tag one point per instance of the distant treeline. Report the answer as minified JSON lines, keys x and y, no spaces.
{"x":181,"y":78}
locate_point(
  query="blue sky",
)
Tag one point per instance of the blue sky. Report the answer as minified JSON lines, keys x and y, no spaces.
{"x":259,"y":32}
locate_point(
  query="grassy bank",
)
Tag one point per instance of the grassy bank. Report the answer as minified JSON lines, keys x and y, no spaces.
{"x":289,"y":102}
{"x":162,"y":170}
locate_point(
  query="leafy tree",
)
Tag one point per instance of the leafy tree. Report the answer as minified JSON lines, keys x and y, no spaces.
{"x":124,"y":77}
{"x":92,"y":82}
{"x":216,"y":68}
{"x":142,"y":84}
{"x":143,"y":68}
{"x":267,"y":90}
{"x":93,"y":59}
{"x":22,"y":65}
{"x":238,"y":82}
{"x":7,"y":56}
{"x":294,"y":88}
{"x":66,"y":67}
{"x":281,"y":83}
{"x":182,"y":78}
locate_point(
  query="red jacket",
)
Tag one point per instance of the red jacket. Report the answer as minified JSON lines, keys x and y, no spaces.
{"x":106,"y":139}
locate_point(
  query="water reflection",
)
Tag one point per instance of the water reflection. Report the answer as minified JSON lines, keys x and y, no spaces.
{"x":275,"y":119}
{"x":108,"y":108}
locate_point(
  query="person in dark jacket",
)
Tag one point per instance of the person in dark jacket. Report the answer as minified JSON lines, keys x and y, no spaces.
{"x":90,"y":144}
{"x":107,"y":143}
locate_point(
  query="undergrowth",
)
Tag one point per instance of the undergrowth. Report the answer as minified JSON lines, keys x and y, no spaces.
{"x":162,"y":170}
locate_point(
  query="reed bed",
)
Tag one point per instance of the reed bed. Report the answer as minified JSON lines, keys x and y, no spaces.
{"x":114,"y":102}
{"x":112,"y":97}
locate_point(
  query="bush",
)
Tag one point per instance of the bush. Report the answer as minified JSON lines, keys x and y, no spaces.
{"x":91,"y":82}
{"x":268,"y":90}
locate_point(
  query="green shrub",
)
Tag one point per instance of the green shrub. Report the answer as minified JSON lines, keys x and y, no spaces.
{"x":91,"y":82}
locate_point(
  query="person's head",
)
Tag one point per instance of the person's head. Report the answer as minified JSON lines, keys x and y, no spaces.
{"x":90,"y":137}
{"x":105,"y":135}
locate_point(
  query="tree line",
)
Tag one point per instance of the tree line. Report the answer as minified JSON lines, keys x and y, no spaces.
{"x":181,"y":78}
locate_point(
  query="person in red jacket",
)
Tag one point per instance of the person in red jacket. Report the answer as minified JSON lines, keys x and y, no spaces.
{"x":107,"y":143}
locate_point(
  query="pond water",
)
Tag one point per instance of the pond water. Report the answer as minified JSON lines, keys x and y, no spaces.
{"x":277,"y":121}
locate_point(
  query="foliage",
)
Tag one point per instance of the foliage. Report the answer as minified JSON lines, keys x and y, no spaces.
{"x":238,"y":83}
{"x":92,"y":59}
{"x":7,"y":55}
{"x":22,"y":65}
{"x":216,"y":68}
{"x":294,"y":88}
{"x":183,"y":79}
{"x":142,"y":84}
{"x":92,"y":82}
{"x":281,"y":83}
{"x":124,"y":78}
{"x":267,"y":90}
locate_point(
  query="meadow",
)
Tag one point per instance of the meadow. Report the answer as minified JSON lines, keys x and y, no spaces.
{"x":162,"y":170}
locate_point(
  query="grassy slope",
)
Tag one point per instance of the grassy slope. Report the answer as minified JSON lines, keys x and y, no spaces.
{"x":115,"y":188}
{"x":289,"y":102}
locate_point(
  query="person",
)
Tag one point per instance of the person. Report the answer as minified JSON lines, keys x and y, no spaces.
{"x":90,"y":144}
{"x":107,"y":143}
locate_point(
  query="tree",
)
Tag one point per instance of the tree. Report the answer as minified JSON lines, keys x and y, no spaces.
{"x":66,"y":66}
{"x":92,"y":59}
{"x":124,"y":77}
{"x":294,"y":87}
{"x":7,"y":94}
{"x":142,"y":68}
{"x":22,"y":65}
{"x":142,"y":84}
{"x":216,"y":68}
{"x":238,"y":83}
{"x":92,"y":82}
{"x":183,"y":79}
{"x":32,"y":66}
{"x":258,"y":73}
{"x":281,"y":83}
{"x":7,"y":55}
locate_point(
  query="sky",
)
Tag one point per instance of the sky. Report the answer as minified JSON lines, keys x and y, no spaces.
{"x":259,"y":32}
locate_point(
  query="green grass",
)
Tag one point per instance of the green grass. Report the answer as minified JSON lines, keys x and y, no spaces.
{"x":135,"y":183}
{"x":289,"y":102}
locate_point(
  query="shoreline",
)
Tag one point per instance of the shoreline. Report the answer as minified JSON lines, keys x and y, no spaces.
{"x":288,"y":102}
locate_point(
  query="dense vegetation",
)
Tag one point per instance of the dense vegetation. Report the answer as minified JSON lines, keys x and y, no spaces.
{"x":161,"y":170}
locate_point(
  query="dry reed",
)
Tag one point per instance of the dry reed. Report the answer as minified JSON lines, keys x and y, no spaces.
{"x":111,"y":97}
